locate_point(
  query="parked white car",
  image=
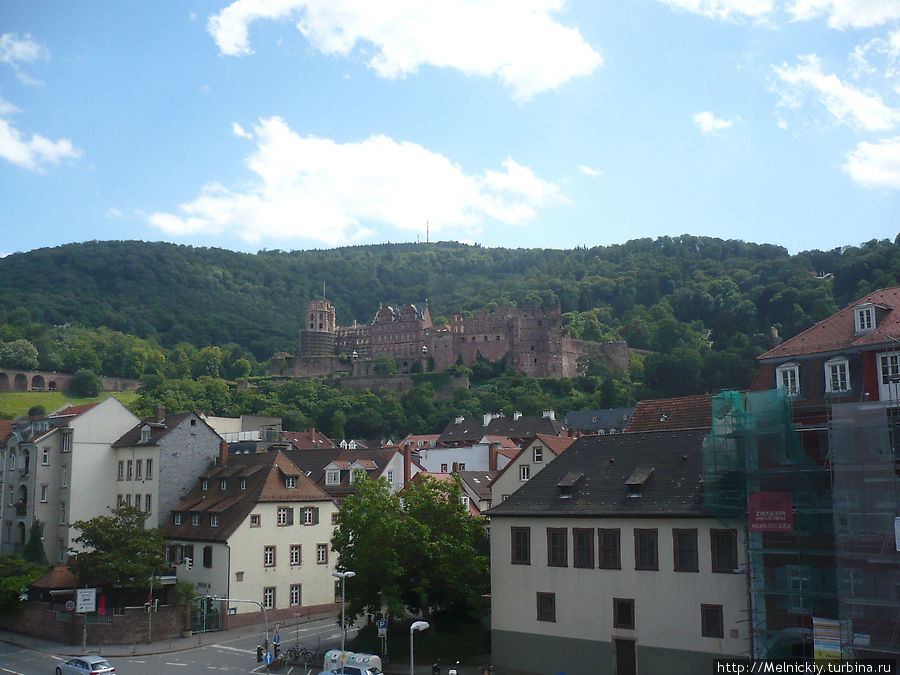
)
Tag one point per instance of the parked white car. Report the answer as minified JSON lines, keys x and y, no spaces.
{"x":90,"y":664}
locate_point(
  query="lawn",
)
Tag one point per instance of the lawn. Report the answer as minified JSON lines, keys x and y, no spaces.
{"x":13,"y":404}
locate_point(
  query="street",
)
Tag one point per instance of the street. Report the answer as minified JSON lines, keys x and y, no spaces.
{"x":233,"y":652}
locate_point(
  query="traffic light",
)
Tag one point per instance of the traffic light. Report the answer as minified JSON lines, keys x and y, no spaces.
{"x":277,"y":649}
{"x":259,"y":653}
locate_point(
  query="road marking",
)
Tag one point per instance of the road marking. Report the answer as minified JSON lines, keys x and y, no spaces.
{"x":234,"y":649}
{"x":14,"y":672}
{"x":176,"y":664}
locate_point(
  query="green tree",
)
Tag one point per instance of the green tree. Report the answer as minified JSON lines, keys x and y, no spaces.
{"x":34,"y":550}
{"x":19,"y":354}
{"x":385,"y":364}
{"x":118,"y":549}
{"x":422,"y":554}
{"x":16,"y":575}
{"x":85,"y":383}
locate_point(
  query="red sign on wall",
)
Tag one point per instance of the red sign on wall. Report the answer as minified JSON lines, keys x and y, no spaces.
{"x":770,"y":512}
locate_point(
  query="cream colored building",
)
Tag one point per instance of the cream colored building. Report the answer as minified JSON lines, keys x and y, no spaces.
{"x":606,"y":562}
{"x":533,"y":457}
{"x":257,"y":529}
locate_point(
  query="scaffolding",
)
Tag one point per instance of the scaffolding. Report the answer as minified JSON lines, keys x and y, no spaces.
{"x":865,"y":456}
{"x":754,"y":451}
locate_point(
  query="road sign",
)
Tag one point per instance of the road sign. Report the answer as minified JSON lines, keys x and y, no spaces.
{"x":382,"y":628}
{"x":276,"y":639}
{"x":268,"y":658}
{"x":86,"y":600}
{"x":70,"y":605}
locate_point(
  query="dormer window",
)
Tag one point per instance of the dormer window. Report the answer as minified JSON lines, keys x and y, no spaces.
{"x":204,"y":485}
{"x":837,"y":375}
{"x":290,"y":482}
{"x":787,"y":377}
{"x":332,"y":477}
{"x":243,"y":483}
{"x":635,"y":482}
{"x":195,"y":519}
{"x":178,"y":518}
{"x":223,"y":484}
{"x":567,"y":484}
{"x":145,"y":434}
{"x":864,"y":318}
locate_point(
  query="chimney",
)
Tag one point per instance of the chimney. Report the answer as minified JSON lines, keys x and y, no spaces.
{"x":223,"y":453}
{"x":455,"y":467}
{"x":160,"y":413}
{"x":459,"y":419}
{"x":516,"y":415}
{"x":492,"y":457}
{"x":407,"y":464}
{"x":487,"y":419}
{"x":549,"y":414}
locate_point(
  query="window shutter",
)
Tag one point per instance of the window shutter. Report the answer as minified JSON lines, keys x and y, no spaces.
{"x":290,"y":516}
{"x":316,"y":515}
{"x":189,"y":551}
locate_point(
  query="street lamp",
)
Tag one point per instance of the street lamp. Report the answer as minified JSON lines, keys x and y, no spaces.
{"x":417,"y":625}
{"x":343,"y":576}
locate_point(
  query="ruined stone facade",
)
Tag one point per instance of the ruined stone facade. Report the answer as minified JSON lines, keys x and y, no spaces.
{"x":531,"y":339}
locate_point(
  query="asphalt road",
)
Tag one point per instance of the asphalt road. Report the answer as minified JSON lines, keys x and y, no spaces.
{"x":216,"y":652}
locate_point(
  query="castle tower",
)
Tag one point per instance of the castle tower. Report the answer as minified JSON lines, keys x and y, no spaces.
{"x":317,"y":336}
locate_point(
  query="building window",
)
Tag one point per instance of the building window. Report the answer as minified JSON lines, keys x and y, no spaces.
{"x":724,"y":550}
{"x":311,"y":515}
{"x":390,"y":477}
{"x":285,"y":516}
{"x":121,"y":475}
{"x":864,"y":318}
{"x":178,"y":518}
{"x":521,"y":545}
{"x":524,"y":472}
{"x":837,"y":376}
{"x":322,"y":554}
{"x":149,"y":473}
{"x":204,"y":485}
{"x":335,"y":517}
{"x":254,"y":520}
{"x":538,"y":454}
{"x":583,"y":547}
{"x":787,"y":377}
{"x":147,"y":503}
{"x":610,"y":549}
{"x":290,"y":482}
{"x":67,"y":441}
{"x":195,"y":519}
{"x":145,"y":434}
{"x":62,"y":512}
{"x":443,"y":468}
{"x":623,"y":613}
{"x":557,"y":547}
{"x":137,"y":501}
{"x":296,"y":595}
{"x":213,"y":519}
{"x":461,"y":466}
{"x":44,"y":489}
{"x":120,"y":499}
{"x":243,"y":483}
{"x":712,"y":621}
{"x":139,"y":469}
{"x":684,"y":545}
{"x":129,"y":471}
{"x":223,"y":484}
{"x":546,"y":606}
{"x":207,"y":556}
{"x":798,"y":587}
{"x":332,"y":477}
{"x":64,"y":476}
{"x":295,"y":554}
{"x":128,"y":500}
{"x":45,"y":456}
{"x":269,"y":597}
{"x":645,"y":549}
{"x":269,"y":556}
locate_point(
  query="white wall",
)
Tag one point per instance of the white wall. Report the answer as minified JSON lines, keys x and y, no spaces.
{"x":509,"y":481}
{"x":475,"y":457}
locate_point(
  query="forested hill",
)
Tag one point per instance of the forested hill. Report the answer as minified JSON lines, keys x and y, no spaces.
{"x":657,"y":294}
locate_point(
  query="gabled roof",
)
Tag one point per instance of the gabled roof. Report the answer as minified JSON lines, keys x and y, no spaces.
{"x":158,"y":429}
{"x":838,"y":331}
{"x":668,"y":414}
{"x":592,"y":420}
{"x":308,"y":440}
{"x":70,"y":410}
{"x":524,"y":427}
{"x":373,"y":461}
{"x":556,"y":444}
{"x":264,"y":475}
{"x":479,"y":482}
{"x":597,"y":469}
{"x":58,"y":577}
{"x":313,"y":462}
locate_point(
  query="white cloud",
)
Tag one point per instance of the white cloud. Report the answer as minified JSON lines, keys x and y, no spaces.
{"x":113,"y":212}
{"x":709,"y":124}
{"x":334,"y":193}
{"x":516,"y":41}
{"x":730,"y":10}
{"x":34,"y":152}
{"x":876,"y":164}
{"x":848,"y":104}
{"x":239,"y":131}
{"x":847,"y":13}
{"x":15,"y":50}
{"x":589,"y":171}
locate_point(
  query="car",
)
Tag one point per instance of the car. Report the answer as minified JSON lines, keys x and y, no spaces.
{"x":90,"y":664}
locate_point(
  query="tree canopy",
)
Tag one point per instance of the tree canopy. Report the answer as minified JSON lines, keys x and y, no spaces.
{"x":16,"y":575}
{"x":117,"y":549}
{"x":423,"y":552}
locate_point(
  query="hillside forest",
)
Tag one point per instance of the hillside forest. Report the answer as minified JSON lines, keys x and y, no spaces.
{"x":191,"y":322}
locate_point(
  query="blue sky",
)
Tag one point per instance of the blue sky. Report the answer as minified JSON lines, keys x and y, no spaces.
{"x":298,"y":124}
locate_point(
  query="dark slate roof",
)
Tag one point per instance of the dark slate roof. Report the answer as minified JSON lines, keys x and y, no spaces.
{"x":378,"y":458}
{"x":478,"y":481}
{"x":313,"y":462}
{"x":264,"y":473}
{"x":598,"y":469}
{"x":308,"y":440}
{"x":667,"y":414}
{"x":593,"y":420}
{"x":838,"y":331}
{"x":158,"y":429}
{"x":472,"y":431}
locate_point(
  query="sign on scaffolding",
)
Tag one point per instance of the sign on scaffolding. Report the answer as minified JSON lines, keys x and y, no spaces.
{"x":770,"y":512}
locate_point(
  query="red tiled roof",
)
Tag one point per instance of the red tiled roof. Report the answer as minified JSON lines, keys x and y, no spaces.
{"x":308,"y":440}
{"x":58,"y":577}
{"x":670,"y":414}
{"x":838,"y":331}
{"x":72,"y":410}
{"x":556,"y":444}
{"x":6,"y":427}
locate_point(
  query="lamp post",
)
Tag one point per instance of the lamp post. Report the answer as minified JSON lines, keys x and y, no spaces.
{"x":343,"y":576}
{"x":417,"y":625}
